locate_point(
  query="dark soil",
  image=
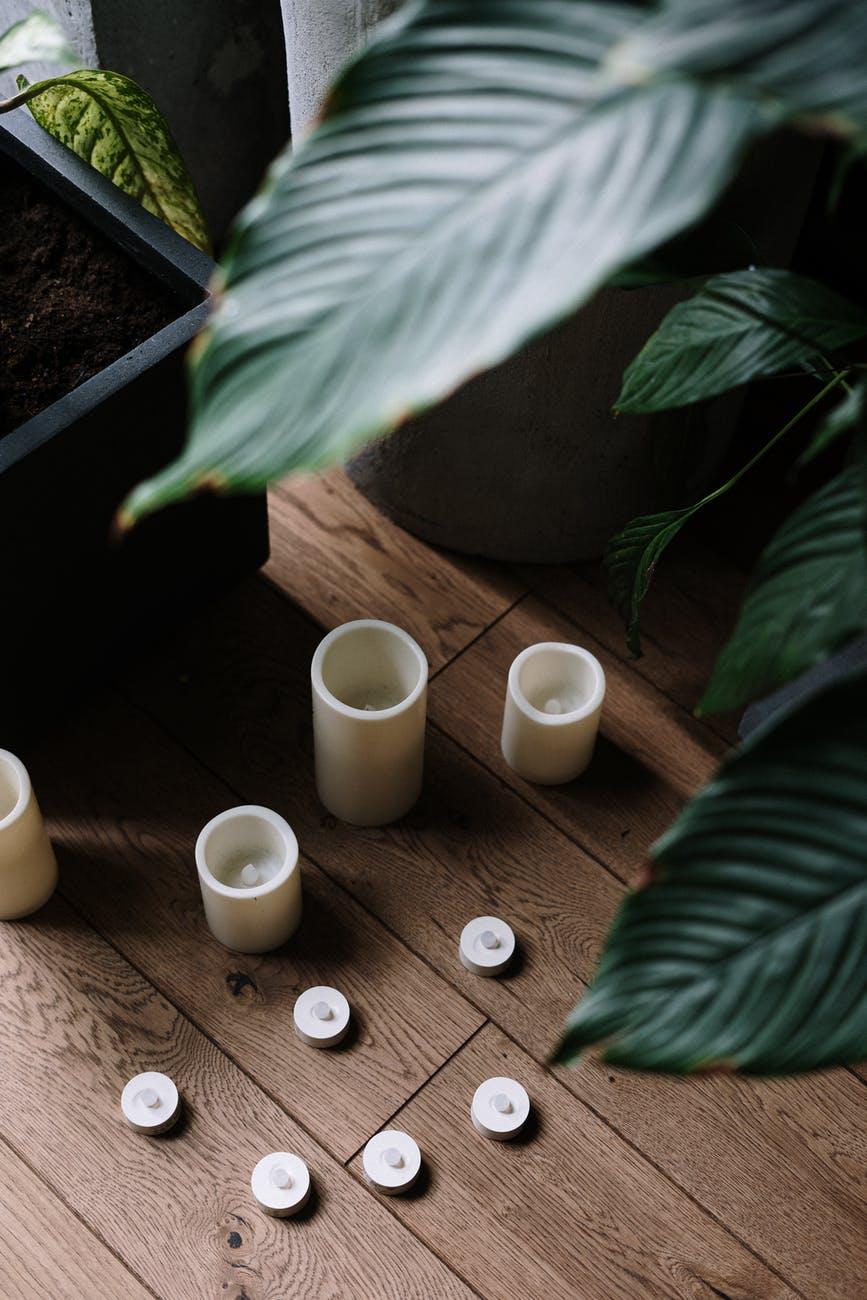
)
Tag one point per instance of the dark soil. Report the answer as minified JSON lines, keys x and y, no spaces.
{"x":70,"y":301}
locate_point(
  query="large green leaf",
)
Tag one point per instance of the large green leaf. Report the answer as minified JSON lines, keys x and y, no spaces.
{"x":737,"y":327}
{"x":481,"y":169}
{"x":37,"y":38}
{"x":810,"y":55}
{"x":468,"y":189}
{"x":115,"y":126}
{"x":807,"y":597}
{"x":748,"y":950}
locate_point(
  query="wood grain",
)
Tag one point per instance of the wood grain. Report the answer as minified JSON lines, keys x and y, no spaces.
{"x":124,"y":805}
{"x":472,"y":846}
{"x":45,"y":1251}
{"x":77,"y":1021}
{"x":339,"y":558}
{"x":650,"y":758}
{"x":566,"y":1211}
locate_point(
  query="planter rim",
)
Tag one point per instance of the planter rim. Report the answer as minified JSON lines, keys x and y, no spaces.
{"x":161,"y":251}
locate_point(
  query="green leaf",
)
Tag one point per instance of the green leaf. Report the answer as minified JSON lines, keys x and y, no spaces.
{"x":749,"y":948}
{"x":806,"y":57}
{"x":807,"y":597}
{"x":37,"y":38}
{"x":468,"y":190}
{"x":737,"y":327}
{"x":844,"y":418}
{"x":630,"y":559}
{"x":115,"y":126}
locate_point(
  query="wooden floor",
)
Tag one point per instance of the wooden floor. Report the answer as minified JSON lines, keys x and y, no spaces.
{"x":628,"y":1185}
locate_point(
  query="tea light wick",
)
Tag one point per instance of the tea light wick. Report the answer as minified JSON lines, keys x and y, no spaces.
{"x":250,"y":874}
{"x":553,"y":705}
{"x":488,"y":939}
{"x":321,"y":1010}
{"x":393,"y":1158}
{"x":281,"y":1177}
{"x":150,"y":1097}
{"x":370,"y":708}
{"x":501,"y":1104}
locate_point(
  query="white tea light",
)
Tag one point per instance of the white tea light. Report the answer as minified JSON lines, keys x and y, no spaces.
{"x":150,"y":1103}
{"x":392,"y":1162}
{"x":487,"y":945}
{"x":369,"y":683}
{"x":500,"y":1109}
{"x":554,"y":698}
{"x":28,"y":867}
{"x":247,"y":860}
{"x":321,"y":1016}
{"x":281,"y":1184}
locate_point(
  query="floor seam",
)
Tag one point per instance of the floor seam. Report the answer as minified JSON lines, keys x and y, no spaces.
{"x":420,"y":1087}
{"x":67,"y":1205}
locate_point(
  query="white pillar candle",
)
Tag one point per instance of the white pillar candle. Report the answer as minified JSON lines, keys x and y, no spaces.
{"x":247,"y":859}
{"x":28,"y":867}
{"x":553,"y":701}
{"x":369,"y":708}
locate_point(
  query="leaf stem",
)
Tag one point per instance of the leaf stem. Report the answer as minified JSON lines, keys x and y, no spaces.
{"x":838,"y":378}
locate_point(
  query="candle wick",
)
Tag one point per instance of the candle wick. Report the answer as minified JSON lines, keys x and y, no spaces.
{"x":250,"y":874}
{"x":553,"y":706}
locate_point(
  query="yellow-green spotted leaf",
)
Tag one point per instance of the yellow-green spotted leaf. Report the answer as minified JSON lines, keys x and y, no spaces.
{"x":115,"y":126}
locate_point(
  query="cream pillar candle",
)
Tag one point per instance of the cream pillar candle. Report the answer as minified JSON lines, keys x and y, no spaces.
{"x":247,"y":859}
{"x":28,"y":867}
{"x":369,"y":708}
{"x":553,"y":701}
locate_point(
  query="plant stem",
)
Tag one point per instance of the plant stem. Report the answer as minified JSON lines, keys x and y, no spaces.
{"x":838,"y":378}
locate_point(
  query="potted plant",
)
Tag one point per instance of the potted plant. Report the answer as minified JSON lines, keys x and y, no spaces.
{"x":479,"y":172}
{"x":100,"y":300}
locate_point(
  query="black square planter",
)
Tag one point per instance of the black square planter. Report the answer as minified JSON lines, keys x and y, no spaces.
{"x":74,"y":600}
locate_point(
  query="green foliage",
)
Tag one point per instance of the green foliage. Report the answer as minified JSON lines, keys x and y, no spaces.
{"x":748,"y":950}
{"x":480,"y":170}
{"x":37,"y":38}
{"x":807,"y":597}
{"x":107,"y":120}
{"x":630,"y":559}
{"x":844,"y":418}
{"x":737,"y":327}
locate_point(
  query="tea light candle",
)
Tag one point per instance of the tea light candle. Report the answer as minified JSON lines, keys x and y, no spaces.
{"x":391,"y":1162}
{"x":369,"y":708}
{"x":28,"y":867}
{"x":553,"y":701}
{"x":150,"y":1103}
{"x":500,"y":1109}
{"x":281,"y":1184}
{"x":321,"y":1016}
{"x":487,"y":945}
{"x":247,"y":860}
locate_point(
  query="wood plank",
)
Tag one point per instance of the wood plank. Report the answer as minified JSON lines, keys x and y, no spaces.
{"x":45,"y":1251}
{"x":77,"y":1022}
{"x":125,"y":832}
{"x":567,"y":1210}
{"x":472,"y":846}
{"x":650,"y":757}
{"x":687,"y":615}
{"x":335,"y":555}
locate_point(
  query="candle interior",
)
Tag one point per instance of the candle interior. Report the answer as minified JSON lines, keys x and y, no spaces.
{"x":10,"y":788}
{"x":370,"y":669}
{"x":556,"y":682}
{"x":240,"y":843}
